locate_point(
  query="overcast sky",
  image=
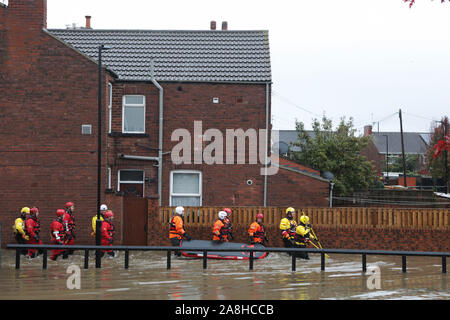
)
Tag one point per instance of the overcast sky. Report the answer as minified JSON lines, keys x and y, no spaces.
{"x":356,"y":58}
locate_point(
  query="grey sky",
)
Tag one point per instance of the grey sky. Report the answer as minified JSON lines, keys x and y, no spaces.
{"x":359,"y":58}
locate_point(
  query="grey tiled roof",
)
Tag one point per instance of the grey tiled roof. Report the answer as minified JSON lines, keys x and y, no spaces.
{"x":413,"y":141}
{"x":199,"y":56}
{"x":287,"y":137}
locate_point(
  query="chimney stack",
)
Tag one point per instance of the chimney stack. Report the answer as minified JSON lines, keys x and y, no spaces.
{"x":213,"y":25}
{"x":88,"y":22}
{"x":224,"y":25}
{"x":367,"y":131}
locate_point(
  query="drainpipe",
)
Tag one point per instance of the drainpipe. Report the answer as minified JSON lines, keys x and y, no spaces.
{"x":267,"y":144}
{"x":161,"y":120}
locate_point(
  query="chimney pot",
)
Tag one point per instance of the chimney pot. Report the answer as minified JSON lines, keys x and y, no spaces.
{"x":224,"y":25}
{"x":213,"y":25}
{"x":88,"y":22}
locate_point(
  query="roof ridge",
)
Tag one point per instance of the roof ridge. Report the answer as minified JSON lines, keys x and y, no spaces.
{"x":154,"y":30}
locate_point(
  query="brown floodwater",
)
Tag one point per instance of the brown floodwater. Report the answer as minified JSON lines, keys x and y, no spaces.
{"x":272,"y":278}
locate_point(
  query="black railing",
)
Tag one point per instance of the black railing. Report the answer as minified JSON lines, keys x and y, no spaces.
{"x":169,"y":250}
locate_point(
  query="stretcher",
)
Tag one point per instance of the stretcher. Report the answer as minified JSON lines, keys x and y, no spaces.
{"x":190,"y":249}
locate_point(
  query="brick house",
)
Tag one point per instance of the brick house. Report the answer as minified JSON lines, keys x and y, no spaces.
{"x":48,"y":100}
{"x":387,"y":145}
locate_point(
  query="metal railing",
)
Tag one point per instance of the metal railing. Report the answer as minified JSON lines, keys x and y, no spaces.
{"x":251,"y":252}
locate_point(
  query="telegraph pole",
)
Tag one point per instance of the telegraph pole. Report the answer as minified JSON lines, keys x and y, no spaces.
{"x":403,"y":148}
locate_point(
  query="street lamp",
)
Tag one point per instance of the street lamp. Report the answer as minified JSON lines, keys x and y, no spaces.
{"x":98,"y":225}
{"x":331,"y":194}
{"x":387,"y":157}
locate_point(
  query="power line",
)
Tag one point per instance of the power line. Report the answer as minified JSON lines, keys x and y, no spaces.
{"x":276,"y":94}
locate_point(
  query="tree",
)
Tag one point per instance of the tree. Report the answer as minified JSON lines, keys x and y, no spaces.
{"x":396,"y":164}
{"x":337,"y":151}
{"x":411,"y":2}
{"x":436,"y":161}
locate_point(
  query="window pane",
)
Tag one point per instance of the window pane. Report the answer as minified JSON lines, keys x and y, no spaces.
{"x":134,"y":119}
{"x":131,"y":176}
{"x":186,"y":183}
{"x":186,"y":201}
{"x":134,"y":99}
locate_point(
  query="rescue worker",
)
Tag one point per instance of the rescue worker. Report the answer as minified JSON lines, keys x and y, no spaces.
{"x":256,"y":232}
{"x":69,"y":224}
{"x":20,"y":233}
{"x":32,"y":226}
{"x":287,"y":227}
{"x":220,"y":233}
{"x":58,"y":235}
{"x":176,"y":229}
{"x":103,"y":209}
{"x":302,"y":235}
{"x":108,"y":232}
{"x":228,"y":229}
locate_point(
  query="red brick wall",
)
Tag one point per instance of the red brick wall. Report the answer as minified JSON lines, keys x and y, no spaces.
{"x":293,"y":189}
{"x":46,"y":93}
{"x":185,"y":103}
{"x":372,"y":154}
{"x":384,"y":238}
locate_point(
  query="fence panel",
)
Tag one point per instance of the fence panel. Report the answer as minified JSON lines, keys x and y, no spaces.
{"x":437,"y":219}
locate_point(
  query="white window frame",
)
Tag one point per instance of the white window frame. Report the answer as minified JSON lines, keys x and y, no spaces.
{"x":200,"y":181}
{"x":131,"y":182}
{"x":132,"y":105}
{"x":109,"y":106}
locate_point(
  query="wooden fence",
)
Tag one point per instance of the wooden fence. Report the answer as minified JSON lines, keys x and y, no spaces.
{"x":437,"y":219}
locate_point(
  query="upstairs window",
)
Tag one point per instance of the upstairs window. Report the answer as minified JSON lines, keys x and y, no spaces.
{"x":133,"y":114}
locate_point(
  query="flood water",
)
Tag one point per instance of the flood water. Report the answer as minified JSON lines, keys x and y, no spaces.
{"x":272,"y":278}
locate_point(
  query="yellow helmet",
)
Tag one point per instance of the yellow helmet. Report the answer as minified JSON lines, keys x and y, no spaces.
{"x":289,"y":210}
{"x":304,"y":219}
{"x":25,"y":210}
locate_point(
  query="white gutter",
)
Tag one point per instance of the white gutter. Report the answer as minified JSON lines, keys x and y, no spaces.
{"x":161,"y":121}
{"x":267,"y":144}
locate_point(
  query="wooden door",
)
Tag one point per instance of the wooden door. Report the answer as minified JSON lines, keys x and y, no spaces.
{"x":135,"y":221}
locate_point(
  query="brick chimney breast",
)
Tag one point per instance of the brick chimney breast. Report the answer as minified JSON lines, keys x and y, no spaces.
{"x":88,"y":22}
{"x":32,"y":14}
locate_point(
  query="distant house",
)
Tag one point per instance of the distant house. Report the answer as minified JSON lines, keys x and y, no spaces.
{"x":415,"y":143}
